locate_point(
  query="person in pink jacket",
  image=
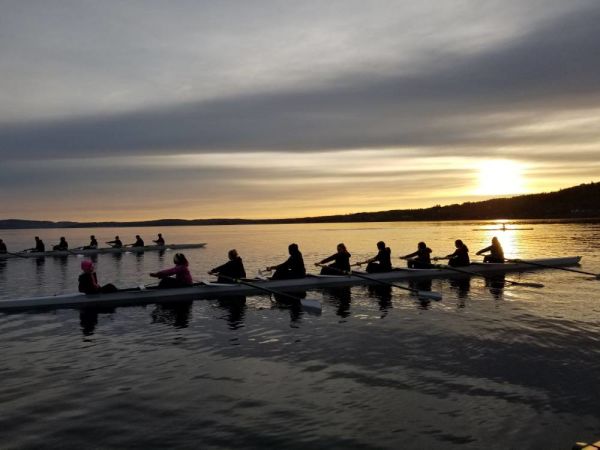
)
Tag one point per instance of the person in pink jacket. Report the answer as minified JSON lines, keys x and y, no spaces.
{"x":181,"y":278}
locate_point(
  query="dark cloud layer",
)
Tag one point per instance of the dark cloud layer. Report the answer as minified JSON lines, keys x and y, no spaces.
{"x":462,"y":101}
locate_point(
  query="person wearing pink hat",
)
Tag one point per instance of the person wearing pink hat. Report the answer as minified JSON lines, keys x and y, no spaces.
{"x":88,"y":280}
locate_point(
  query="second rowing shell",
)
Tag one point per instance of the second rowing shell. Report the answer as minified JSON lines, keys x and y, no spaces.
{"x":95,"y":251}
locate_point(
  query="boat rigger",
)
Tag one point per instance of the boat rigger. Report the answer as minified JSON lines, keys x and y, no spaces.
{"x":216,"y":290}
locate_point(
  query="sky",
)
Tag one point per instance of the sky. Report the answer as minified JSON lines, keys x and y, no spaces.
{"x":134,"y":110}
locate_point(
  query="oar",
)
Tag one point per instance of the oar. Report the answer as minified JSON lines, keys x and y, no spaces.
{"x":476,"y":274}
{"x":308,"y":304}
{"x":421,"y":294}
{"x":596,"y":275}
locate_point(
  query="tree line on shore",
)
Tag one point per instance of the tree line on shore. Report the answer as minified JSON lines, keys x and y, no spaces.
{"x":576,"y":202}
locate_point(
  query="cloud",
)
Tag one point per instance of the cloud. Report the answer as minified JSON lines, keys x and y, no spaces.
{"x":461,"y":101}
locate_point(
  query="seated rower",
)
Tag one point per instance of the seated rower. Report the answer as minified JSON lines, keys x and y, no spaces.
{"x":460,"y":257}
{"x":62,"y":245}
{"x":341,"y":262}
{"x":382,"y":262}
{"x":496,"y":252}
{"x":292,"y":268}
{"x":139,"y":242}
{"x":182,"y":277}
{"x":421,"y":259}
{"x":160,"y":240}
{"x":116,"y":243}
{"x":234,"y":268}
{"x":93,"y":243}
{"x":39,"y":245}
{"x":3,"y":248}
{"x":88,"y":280}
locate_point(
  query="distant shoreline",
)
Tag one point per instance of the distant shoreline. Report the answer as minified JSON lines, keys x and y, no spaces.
{"x":575,"y":204}
{"x":512,"y":222}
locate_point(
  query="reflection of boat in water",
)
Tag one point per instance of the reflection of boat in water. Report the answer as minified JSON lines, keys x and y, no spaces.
{"x":217,"y":290}
{"x":96,"y":251}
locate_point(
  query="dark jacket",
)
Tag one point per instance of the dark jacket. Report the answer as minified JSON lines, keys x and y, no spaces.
{"x":341,"y":261}
{"x":461,"y":256}
{"x":293,"y":267}
{"x":39,"y":246}
{"x":422,"y":255}
{"x":231,"y":269}
{"x":88,"y":283}
{"x":384,"y":257}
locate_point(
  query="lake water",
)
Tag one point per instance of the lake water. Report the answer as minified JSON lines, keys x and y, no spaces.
{"x":483,"y":368}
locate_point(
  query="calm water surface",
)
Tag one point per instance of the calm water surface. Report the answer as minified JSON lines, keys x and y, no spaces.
{"x":484,"y":368}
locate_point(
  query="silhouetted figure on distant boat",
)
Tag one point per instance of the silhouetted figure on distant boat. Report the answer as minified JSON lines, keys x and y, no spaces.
{"x":496,"y":252}
{"x":139,"y":242}
{"x":3,"y":248}
{"x":421,"y":259}
{"x":62,"y":245}
{"x":116,"y":243}
{"x":93,"y":243}
{"x":159,"y":240}
{"x":293,"y":267}
{"x":234,"y":268}
{"x":382,"y":262}
{"x":341,"y":262}
{"x":39,"y":246}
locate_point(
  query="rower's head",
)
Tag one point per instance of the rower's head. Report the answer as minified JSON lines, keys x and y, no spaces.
{"x":116,"y":238}
{"x":233,"y":254}
{"x":495,"y":241}
{"x":92,"y":237}
{"x":293,"y":249}
{"x":37,"y":238}
{"x":137,"y":236}
{"x":180,"y":260}
{"x":458,"y":243}
{"x":159,"y":235}
{"x":421,"y":245}
{"x":381,"y":245}
{"x":87,"y":266}
{"x":341,"y":248}
{"x":62,"y":238}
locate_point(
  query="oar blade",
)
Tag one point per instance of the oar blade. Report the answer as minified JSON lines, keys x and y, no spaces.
{"x":527,"y":284}
{"x":429,"y":295}
{"x":311,"y":306}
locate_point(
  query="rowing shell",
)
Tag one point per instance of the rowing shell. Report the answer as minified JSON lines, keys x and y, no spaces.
{"x":95,"y":251}
{"x":210,"y":290}
{"x":501,"y":229}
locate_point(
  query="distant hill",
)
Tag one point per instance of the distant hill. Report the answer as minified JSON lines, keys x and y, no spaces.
{"x":576,"y":202}
{"x":18,"y":223}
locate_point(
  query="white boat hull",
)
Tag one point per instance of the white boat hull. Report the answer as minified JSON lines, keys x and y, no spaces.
{"x":311,"y":282}
{"x":96,"y":251}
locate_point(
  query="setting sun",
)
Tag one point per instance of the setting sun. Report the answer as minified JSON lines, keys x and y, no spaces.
{"x":498,"y":177}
